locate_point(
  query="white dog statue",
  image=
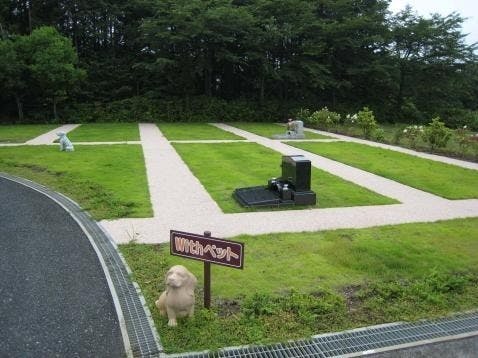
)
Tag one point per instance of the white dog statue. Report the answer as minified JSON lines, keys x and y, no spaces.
{"x":178,"y":298}
{"x":65,"y":143}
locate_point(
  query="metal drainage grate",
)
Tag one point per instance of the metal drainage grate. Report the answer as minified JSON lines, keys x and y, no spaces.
{"x":355,"y":341}
{"x":142,"y":335}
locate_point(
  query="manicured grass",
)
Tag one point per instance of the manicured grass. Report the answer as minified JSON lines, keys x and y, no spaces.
{"x":109,"y":181}
{"x":105,"y":132}
{"x":393,"y":134}
{"x":19,"y":133}
{"x":441,"y":179}
{"x":194,"y":131}
{"x":270,"y":129}
{"x":223,"y":167}
{"x":296,"y":285}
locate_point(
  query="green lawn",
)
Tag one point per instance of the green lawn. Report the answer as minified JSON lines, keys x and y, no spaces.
{"x":296,"y":285}
{"x":109,"y":181}
{"x":194,"y":131}
{"x":223,"y":167}
{"x":105,"y":132}
{"x":19,"y":133}
{"x":441,"y":179}
{"x":269,"y":129}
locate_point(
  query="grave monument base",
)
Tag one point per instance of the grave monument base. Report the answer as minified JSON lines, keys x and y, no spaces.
{"x":293,"y":188}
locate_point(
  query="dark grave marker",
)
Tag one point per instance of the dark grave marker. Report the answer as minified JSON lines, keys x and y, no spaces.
{"x":292,"y":188}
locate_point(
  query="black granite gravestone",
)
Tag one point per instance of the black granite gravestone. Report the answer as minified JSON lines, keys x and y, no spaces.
{"x":292,"y":188}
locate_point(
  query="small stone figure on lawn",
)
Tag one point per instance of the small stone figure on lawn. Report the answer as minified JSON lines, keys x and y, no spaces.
{"x":295,"y":130}
{"x":178,"y":298}
{"x":65,"y":143}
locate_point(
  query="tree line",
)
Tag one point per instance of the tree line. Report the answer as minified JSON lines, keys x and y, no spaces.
{"x":69,"y":55}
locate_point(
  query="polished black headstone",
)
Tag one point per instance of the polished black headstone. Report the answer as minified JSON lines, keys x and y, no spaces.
{"x":292,"y":188}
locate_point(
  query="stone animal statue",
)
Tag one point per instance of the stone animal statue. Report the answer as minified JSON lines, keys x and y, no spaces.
{"x":65,"y":143}
{"x":178,"y":298}
{"x":295,"y":130}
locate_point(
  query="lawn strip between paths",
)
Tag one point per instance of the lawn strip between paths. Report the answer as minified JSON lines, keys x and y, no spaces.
{"x":105,"y":132}
{"x":441,"y":179}
{"x":416,"y":153}
{"x":19,"y":133}
{"x":107,"y":180}
{"x":223,"y":167}
{"x":195,"y":131}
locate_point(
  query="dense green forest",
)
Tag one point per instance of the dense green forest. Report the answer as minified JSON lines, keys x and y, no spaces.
{"x":118,"y":60}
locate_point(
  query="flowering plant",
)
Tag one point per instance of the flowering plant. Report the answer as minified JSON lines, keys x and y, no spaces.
{"x":350,"y":119}
{"x":324,"y":118}
{"x":412,"y":133}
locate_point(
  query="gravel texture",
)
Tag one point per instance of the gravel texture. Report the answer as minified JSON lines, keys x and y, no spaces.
{"x":180,"y":201}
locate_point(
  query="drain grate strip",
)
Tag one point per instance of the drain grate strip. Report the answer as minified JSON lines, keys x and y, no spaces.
{"x":356,"y":341}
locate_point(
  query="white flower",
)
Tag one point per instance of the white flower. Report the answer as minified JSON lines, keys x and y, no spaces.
{"x":465,"y":127}
{"x":405,"y":130}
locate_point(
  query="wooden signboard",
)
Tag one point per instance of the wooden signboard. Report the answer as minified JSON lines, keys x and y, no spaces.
{"x":209,"y":250}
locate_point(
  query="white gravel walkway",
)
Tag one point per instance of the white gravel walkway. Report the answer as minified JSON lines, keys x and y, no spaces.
{"x":49,"y":137}
{"x":180,"y":202}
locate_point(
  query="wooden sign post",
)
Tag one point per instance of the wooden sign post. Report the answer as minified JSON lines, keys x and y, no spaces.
{"x":209,"y":250}
{"x":207,"y":279}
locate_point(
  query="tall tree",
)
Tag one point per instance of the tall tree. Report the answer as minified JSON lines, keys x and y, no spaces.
{"x":52,"y":64}
{"x":429,"y":54}
{"x":13,"y":72}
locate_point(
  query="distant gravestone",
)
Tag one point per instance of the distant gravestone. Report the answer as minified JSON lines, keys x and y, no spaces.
{"x":65,"y":143}
{"x":295,"y":130}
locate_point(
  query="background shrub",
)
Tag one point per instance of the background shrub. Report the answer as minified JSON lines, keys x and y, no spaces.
{"x":436,"y":134}
{"x":324,"y":119}
{"x":366,"y":122}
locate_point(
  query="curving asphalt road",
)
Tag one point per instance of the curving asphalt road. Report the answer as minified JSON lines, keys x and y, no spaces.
{"x":54,"y":298}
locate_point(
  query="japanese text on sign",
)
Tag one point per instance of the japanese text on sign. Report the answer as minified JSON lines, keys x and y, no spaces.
{"x":218,"y":251}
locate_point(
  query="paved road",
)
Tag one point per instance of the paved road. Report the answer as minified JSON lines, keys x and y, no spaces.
{"x":54,"y":298}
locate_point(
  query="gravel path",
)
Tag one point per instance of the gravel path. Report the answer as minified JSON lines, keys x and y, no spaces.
{"x":49,"y":137}
{"x":180,"y":202}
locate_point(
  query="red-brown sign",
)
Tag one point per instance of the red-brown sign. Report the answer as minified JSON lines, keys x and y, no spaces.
{"x":208,"y":249}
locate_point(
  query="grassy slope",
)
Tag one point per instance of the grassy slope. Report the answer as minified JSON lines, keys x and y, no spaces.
{"x":108,"y":181}
{"x":20,"y":133}
{"x":269,"y":129}
{"x":194,"y":131}
{"x":442,"y":179}
{"x":105,"y":132}
{"x":223,"y":167}
{"x":339,"y":279}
